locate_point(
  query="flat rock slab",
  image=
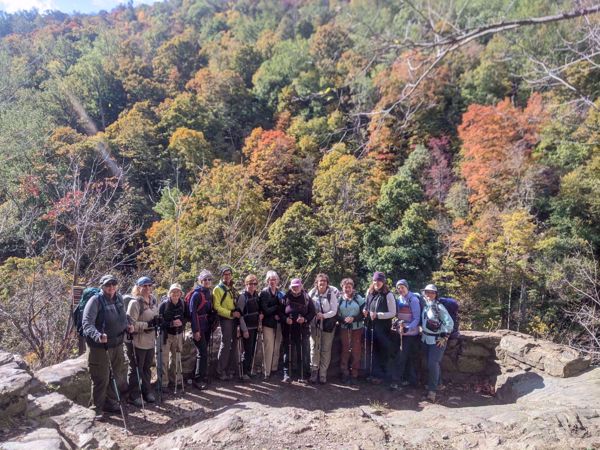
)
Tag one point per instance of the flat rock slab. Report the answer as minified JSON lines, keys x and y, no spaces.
{"x":69,"y":378}
{"x":40,"y":439}
{"x":48,"y":405}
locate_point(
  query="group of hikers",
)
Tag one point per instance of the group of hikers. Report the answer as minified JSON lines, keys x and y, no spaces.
{"x":382,"y":335}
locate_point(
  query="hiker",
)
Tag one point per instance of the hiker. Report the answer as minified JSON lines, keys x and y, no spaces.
{"x":322,"y":328}
{"x":172,"y":310}
{"x":104,"y":324}
{"x":299,"y":312}
{"x":202,"y":318}
{"x":437,"y":326}
{"x":380,"y":308}
{"x":250,"y":322}
{"x":224,"y":297}
{"x":142,"y":312}
{"x":408,"y":319}
{"x":351,"y":328}
{"x":271,"y":306}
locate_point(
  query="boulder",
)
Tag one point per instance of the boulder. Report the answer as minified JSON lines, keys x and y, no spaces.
{"x":15,"y":384}
{"x":69,"y":378}
{"x":78,"y":425}
{"x":554,"y":359}
{"x":40,"y":439}
{"x":48,"y":405}
{"x":510,"y":386}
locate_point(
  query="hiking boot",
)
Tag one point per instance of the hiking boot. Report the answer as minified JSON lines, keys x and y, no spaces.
{"x":375,"y":380}
{"x":431,"y":396}
{"x":137,"y":402}
{"x":149,"y":397}
{"x":441,"y":387}
{"x":404,"y":383}
{"x":286,"y":378}
{"x":323,"y":380}
{"x":394,"y":387}
{"x":200,"y":385}
{"x":111,"y":406}
{"x":314,"y":376}
{"x":266,"y":377}
{"x":245,"y":377}
{"x":224,"y":377}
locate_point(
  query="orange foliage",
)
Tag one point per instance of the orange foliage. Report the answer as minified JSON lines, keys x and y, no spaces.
{"x":497,"y":143}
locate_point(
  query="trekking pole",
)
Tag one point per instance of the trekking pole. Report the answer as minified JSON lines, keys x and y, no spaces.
{"x":239,"y":348}
{"x":179,"y":371}
{"x":209,"y":349}
{"x":371,"y":355}
{"x":290,"y":349}
{"x":262,"y":344}
{"x":401,"y":333}
{"x":254,"y":352}
{"x":137,"y":372}
{"x":159,"y":372}
{"x":301,"y":380}
{"x":319,"y":333}
{"x":111,"y":375}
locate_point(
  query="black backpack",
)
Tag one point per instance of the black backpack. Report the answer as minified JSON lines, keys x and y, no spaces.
{"x":78,"y":311}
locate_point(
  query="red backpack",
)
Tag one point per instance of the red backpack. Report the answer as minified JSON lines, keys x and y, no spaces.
{"x":188,"y":300}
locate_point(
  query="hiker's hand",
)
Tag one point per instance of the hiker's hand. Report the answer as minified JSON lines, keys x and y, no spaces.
{"x":197,"y":336}
{"x":130,"y":329}
{"x":319,"y":316}
{"x":238,"y":333}
{"x":177,"y":323}
{"x":300,"y":320}
{"x":364,"y":313}
{"x":441,"y":342}
{"x":289,"y":321}
{"x":103,"y":338}
{"x":349,"y":319}
{"x":236,"y":314}
{"x":373,"y":315}
{"x":277,"y":317}
{"x":246,"y":335}
{"x":261,"y":316}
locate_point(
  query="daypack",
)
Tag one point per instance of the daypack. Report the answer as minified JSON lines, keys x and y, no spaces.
{"x":188,"y":300}
{"x":78,"y":311}
{"x":451,"y":306}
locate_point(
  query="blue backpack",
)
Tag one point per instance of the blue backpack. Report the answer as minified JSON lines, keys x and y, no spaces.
{"x":451,"y":306}
{"x":78,"y":311}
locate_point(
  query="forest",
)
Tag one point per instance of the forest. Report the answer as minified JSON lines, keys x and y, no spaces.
{"x":449,"y":142}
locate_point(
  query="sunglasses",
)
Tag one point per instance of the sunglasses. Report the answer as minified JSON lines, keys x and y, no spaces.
{"x":111,"y":283}
{"x":252,"y":283}
{"x":207,"y":279}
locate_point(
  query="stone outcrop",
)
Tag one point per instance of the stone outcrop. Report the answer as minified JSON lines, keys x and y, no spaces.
{"x":69,"y":378}
{"x":15,"y":384}
{"x":554,"y":359}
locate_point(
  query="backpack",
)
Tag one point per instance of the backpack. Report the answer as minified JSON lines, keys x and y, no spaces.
{"x":451,"y":306}
{"x":78,"y":311}
{"x":187,"y":315}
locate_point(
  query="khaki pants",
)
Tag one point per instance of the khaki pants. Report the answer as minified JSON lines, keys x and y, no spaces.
{"x":320,"y":357}
{"x":351,"y":340}
{"x":173,"y":346}
{"x":272,"y":337}
{"x":102,"y":387}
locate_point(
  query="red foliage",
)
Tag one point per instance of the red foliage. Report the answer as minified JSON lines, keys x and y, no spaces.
{"x":439,"y":174}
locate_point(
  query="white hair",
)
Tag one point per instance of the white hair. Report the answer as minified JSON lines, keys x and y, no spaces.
{"x":271,"y":274}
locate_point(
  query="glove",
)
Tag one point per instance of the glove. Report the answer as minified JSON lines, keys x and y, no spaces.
{"x":441,"y":341}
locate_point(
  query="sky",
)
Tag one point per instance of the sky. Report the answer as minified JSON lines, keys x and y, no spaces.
{"x":67,"y":6}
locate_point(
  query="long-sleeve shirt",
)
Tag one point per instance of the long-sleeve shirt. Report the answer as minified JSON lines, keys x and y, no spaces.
{"x":447,"y":324}
{"x":373,"y":304}
{"x":170,"y":312}
{"x":415,"y":309}
{"x":104,"y":315}
{"x":250,"y":314}
{"x":299,"y":305}
{"x":224,"y":299}
{"x":271,"y":305}
{"x":326,"y":303}
{"x":140,"y":313}
{"x":351,"y":307}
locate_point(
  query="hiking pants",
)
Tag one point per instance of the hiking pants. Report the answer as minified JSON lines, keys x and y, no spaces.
{"x":102,"y":387}
{"x":143,"y":359}
{"x":434,"y":370}
{"x":173,"y":346}
{"x":300,"y":349}
{"x":200,"y":374}
{"x":228,"y":354}
{"x":351,"y":339}
{"x":404,"y":361}
{"x":272,"y":337}
{"x":320,"y":349}
{"x":382,"y":349}
{"x":249,"y":346}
